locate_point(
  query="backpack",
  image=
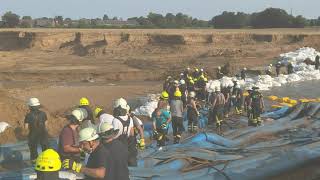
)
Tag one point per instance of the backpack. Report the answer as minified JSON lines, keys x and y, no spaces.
{"x":37,"y":122}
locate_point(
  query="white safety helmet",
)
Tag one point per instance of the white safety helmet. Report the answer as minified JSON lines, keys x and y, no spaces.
{"x":192,"y":94}
{"x":279,"y":62}
{"x":176,"y":82}
{"x":201,"y":70}
{"x":33,"y":102}
{"x":78,"y":114}
{"x":238,"y":86}
{"x":245,"y":68}
{"x":270,"y":65}
{"x":181,"y":74}
{"x":188,"y":68}
{"x":122,"y":103}
{"x":106,"y":130}
{"x":218,"y":89}
{"x":234,"y":79}
{"x":182,"y":81}
{"x":219,"y":67}
{"x":88,"y":134}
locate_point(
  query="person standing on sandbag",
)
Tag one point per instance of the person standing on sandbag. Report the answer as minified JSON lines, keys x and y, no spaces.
{"x":278,"y":68}
{"x":243,"y":73}
{"x":36,"y":122}
{"x":317,"y":62}
{"x":176,"y":108}
{"x":290,"y":68}
{"x":269,"y":70}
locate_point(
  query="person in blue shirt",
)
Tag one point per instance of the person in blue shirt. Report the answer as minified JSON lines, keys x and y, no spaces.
{"x":161,"y":119}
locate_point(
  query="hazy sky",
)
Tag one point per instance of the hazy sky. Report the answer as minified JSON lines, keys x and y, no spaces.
{"x":203,"y":9}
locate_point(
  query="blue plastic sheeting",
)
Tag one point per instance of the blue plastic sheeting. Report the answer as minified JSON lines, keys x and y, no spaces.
{"x":277,"y":113}
{"x":212,"y":138}
{"x":20,"y":151}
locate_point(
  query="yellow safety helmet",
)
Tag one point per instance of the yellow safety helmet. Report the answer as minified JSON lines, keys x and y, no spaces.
{"x":177,"y":94}
{"x":205,"y":79}
{"x":97,"y":111}
{"x":164,"y":95}
{"x":48,"y":161}
{"x":84,"y":101}
{"x":196,"y":69}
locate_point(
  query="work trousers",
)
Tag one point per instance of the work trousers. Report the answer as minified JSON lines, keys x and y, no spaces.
{"x":37,"y":138}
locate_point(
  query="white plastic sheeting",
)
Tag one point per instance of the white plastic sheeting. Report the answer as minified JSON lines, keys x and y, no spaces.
{"x":3,"y":126}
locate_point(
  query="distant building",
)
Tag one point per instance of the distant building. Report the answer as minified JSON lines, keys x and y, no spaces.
{"x":111,"y":22}
{"x":44,"y":22}
{"x":27,"y":22}
{"x":120,"y":23}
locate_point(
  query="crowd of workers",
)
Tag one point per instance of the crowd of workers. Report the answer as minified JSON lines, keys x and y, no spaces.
{"x":108,"y":144}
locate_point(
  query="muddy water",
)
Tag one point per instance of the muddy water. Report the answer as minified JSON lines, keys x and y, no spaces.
{"x":306,"y":89}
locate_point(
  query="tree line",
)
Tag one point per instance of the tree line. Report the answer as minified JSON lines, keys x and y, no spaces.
{"x":269,"y":18}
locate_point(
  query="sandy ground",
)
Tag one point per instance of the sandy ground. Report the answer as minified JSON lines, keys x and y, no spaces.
{"x":56,"y":65}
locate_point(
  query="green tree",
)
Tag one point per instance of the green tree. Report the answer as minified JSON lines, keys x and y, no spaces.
{"x":11,"y":20}
{"x":230,"y":20}
{"x":272,"y":18}
{"x":26,"y":18}
{"x":105,"y":17}
{"x":299,"y":22}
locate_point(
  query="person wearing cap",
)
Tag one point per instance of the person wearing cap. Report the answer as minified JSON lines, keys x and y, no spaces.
{"x":176,"y":109}
{"x":278,"y":68}
{"x":68,"y":146}
{"x":243,"y":73}
{"x":256,"y":104}
{"x":48,"y":165}
{"x":99,"y":164}
{"x":35,"y":121}
{"x":173,"y":88}
{"x":118,"y":151}
{"x":218,"y":104}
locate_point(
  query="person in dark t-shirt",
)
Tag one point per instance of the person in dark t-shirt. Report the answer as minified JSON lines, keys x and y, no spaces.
{"x":35,"y":121}
{"x":98,"y":165}
{"x":119,"y":168}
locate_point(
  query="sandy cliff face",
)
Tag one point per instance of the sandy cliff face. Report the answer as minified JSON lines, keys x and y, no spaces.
{"x":90,"y":42}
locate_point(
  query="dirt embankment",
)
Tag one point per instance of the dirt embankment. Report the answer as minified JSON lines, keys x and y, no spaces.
{"x":45,"y":57}
{"x":138,"y":54}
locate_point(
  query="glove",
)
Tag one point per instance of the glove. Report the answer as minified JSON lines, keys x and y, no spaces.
{"x":155,"y":134}
{"x":82,"y":154}
{"x":142,"y":144}
{"x":163,"y":126}
{"x":70,"y":164}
